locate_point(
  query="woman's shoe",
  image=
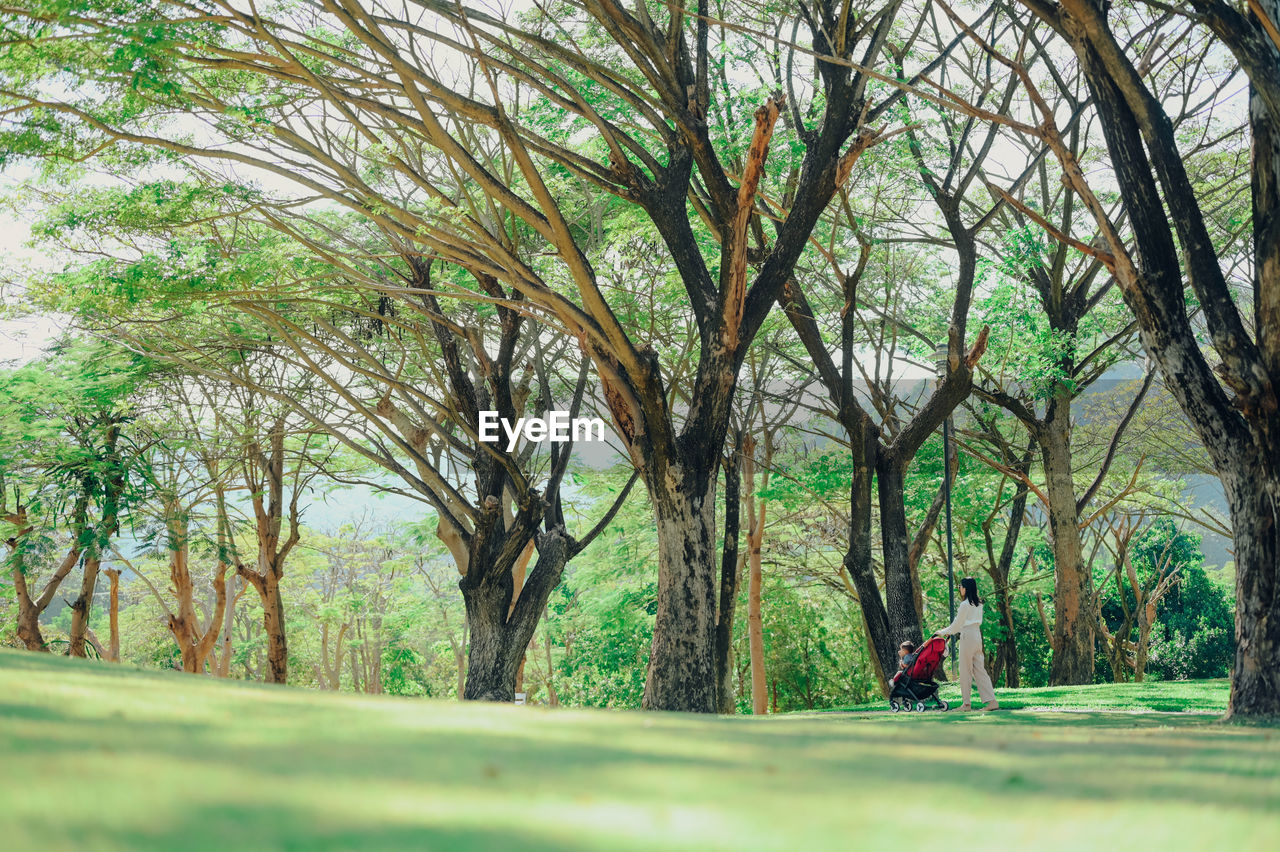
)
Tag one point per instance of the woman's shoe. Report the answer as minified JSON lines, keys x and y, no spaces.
{"x":964,"y":707}
{"x":991,"y":705}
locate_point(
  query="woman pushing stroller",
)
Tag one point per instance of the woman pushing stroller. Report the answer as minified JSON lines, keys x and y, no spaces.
{"x":968,"y":625}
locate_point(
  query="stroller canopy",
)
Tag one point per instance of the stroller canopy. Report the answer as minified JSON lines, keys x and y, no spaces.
{"x":928,"y":659}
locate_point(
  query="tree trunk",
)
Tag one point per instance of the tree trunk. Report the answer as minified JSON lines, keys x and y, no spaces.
{"x":518,"y":572}
{"x":268,"y":489}
{"x":29,"y":632}
{"x":1132,"y":617}
{"x":498,"y":643}
{"x":182,"y":624}
{"x":1253,"y":490}
{"x":1239,"y":429}
{"x":1119,"y":653}
{"x":274,"y":626}
{"x":30,"y":609}
{"x":332,"y":671}
{"x":491,"y":663}
{"x":681,"y":673}
{"x":460,"y":661}
{"x":228,"y":622}
{"x":877,"y":668}
{"x":113,"y":614}
{"x":81,"y":608}
{"x":1007,"y":649}
{"x":755,"y":583}
{"x":227,"y":561}
{"x":553,"y":699}
{"x":1144,"y":644}
{"x":1073,"y":623}
{"x":267,"y":584}
{"x":335,"y":682}
{"x":899,"y":589}
{"x":1255,"y":513}
{"x":857,"y":558}
{"x":755,"y":628}
{"x":726,"y":697}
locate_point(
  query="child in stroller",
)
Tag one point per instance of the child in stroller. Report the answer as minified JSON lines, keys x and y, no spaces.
{"x":913,"y":687}
{"x":905,"y":650}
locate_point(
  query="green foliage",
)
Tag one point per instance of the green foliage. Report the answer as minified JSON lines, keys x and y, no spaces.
{"x":65,"y":449}
{"x":1195,"y":636}
{"x":812,"y":658}
{"x":602,"y":615}
{"x":402,"y":671}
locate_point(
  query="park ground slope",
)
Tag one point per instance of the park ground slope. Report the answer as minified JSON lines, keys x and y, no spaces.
{"x":95,"y":756}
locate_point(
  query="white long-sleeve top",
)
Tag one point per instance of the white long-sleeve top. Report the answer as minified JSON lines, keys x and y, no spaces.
{"x":967,"y":615}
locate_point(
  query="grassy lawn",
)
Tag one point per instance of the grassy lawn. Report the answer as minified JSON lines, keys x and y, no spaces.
{"x":1195,"y":696}
{"x":106,"y":757}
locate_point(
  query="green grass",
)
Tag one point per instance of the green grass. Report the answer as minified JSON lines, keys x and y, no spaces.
{"x":1194,"y":696}
{"x":107,"y":757}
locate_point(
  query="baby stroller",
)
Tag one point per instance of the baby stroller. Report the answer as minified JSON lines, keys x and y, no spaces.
{"x":914,"y":687}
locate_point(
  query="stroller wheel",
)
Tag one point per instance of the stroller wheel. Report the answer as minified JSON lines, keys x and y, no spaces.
{"x":906,"y":706}
{"x":943,"y":706}
{"x":895,"y":706}
{"x":919,"y":706}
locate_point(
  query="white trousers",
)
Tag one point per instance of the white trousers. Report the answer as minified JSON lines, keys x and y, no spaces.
{"x":972,"y":669}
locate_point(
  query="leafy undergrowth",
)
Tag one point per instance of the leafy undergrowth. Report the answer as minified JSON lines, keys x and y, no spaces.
{"x":107,"y":757}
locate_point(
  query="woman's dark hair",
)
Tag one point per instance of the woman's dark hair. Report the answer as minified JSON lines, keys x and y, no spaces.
{"x":970,"y":587}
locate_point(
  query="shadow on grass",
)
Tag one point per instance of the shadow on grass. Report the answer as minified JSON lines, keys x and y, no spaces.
{"x":355,"y":753}
{"x":501,"y":757}
{"x":268,"y":826}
